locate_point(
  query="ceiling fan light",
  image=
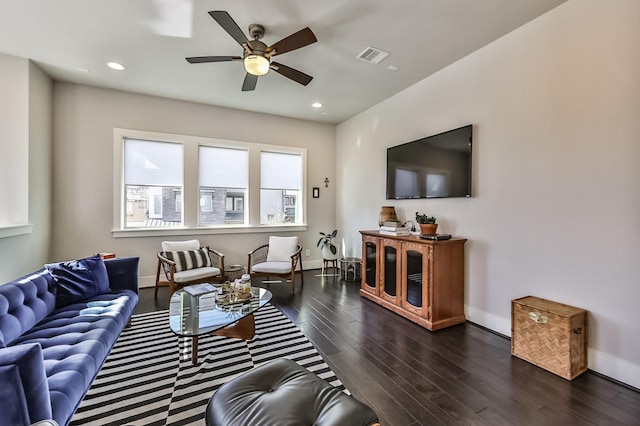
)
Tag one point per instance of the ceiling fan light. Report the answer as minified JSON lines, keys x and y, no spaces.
{"x":256,"y":64}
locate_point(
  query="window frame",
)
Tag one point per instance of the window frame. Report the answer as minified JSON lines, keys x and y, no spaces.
{"x":191,"y":189}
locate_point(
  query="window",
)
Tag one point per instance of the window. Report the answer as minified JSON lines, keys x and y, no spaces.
{"x":152,"y":175}
{"x":235,"y":203}
{"x":178,"y":200}
{"x":214,"y":186}
{"x":222,"y":171}
{"x":280,"y":185}
{"x":206,"y":202}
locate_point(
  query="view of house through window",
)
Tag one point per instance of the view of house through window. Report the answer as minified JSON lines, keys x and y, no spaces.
{"x":153,"y":179}
{"x":156,"y":172}
{"x":280,"y":184}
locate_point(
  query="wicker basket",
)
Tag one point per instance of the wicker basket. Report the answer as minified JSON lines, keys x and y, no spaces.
{"x":550,"y":335}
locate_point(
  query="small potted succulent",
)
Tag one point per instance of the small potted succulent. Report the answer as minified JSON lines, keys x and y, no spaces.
{"x":428,"y":225}
{"x":329,"y":250}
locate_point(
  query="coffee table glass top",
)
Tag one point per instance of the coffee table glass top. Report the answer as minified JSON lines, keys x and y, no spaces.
{"x":196,"y":315}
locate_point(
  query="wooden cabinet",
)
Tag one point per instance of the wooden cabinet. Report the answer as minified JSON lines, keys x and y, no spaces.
{"x":422,"y":280}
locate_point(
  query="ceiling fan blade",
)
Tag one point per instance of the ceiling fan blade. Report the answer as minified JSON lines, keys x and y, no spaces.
{"x":302,"y":38}
{"x":249,"y":83}
{"x":229,"y":25}
{"x":202,"y":59}
{"x":293,"y":74}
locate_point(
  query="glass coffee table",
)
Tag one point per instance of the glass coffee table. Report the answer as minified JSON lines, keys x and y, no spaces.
{"x":193,"y":316}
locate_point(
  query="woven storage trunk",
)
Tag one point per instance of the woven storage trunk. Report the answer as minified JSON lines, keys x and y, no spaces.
{"x":550,"y":335}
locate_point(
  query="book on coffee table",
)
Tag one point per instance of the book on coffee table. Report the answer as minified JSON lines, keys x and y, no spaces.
{"x":198,"y":289}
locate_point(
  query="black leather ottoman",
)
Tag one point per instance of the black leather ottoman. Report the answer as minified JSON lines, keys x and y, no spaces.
{"x":283,"y":393}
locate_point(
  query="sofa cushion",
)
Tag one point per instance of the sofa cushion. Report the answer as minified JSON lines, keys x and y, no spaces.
{"x":75,"y":345}
{"x":11,"y":392}
{"x":31,"y":378}
{"x":190,"y":259}
{"x":79,"y":279}
{"x":23,"y":303}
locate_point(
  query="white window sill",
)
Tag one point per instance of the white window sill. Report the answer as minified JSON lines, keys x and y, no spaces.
{"x":15,"y":230}
{"x":175,"y":231}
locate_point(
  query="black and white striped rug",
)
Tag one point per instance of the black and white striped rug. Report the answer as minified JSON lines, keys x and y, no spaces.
{"x":144,"y":381}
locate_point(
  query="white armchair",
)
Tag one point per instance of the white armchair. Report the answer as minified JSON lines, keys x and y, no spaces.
{"x":282,"y":257}
{"x":185,"y":262}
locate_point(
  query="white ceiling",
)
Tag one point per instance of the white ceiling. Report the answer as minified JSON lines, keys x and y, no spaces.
{"x":152,"y":38}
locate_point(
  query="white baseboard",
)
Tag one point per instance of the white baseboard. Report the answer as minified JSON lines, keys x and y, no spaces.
{"x":148,"y":281}
{"x":616,"y":368}
{"x":600,"y":362}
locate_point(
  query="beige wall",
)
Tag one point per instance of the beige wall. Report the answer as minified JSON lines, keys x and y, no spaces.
{"x":14,"y":137}
{"x":85,"y":118}
{"x":556,"y":203}
{"x":25,"y":140}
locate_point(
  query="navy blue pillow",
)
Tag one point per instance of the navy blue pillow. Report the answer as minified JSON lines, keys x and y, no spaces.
{"x":79,"y":279}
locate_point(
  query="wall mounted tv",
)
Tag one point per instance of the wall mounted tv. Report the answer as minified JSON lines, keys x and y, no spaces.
{"x":437,"y":166}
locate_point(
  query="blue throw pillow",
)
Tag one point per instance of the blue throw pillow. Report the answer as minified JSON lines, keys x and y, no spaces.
{"x":79,"y":279}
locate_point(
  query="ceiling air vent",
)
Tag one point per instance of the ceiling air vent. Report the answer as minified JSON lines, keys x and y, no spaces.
{"x":372,"y":55}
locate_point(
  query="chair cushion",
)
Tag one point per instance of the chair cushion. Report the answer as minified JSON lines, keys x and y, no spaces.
{"x":180,"y":245}
{"x":272,"y":267}
{"x":283,"y":393}
{"x":189,"y":259}
{"x":281,"y":248}
{"x":195,"y":274}
{"x":78,"y":279}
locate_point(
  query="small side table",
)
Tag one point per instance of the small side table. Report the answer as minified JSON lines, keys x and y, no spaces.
{"x":233,"y":272}
{"x":350,"y":268}
{"x":330,"y":263}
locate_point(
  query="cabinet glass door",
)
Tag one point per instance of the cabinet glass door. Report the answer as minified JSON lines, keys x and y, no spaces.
{"x":415,"y":278}
{"x":370,"y":265}
{"x":390,"y":263}
{"x":390,"y":268}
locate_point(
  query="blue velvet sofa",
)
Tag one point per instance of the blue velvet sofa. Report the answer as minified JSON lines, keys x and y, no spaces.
{"x":57,"y":327}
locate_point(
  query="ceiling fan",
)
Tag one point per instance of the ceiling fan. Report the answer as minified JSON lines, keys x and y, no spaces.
{"x":257,"y":55}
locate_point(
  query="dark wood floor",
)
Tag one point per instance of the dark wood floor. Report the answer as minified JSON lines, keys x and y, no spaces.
{"x":460,"y":375}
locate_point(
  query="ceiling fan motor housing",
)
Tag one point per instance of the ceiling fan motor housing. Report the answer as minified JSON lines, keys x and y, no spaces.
{"x":256,"y":31}
{"x":257,"y":48}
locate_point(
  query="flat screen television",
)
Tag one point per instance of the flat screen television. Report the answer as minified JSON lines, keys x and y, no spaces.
{"x":437,"y":166}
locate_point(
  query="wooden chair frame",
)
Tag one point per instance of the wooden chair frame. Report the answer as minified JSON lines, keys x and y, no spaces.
{"x":169,"y":268}
{"x":259,"y":255}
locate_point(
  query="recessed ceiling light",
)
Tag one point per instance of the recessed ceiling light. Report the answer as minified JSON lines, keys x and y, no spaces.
{"x":115,"y":66}
{"x":83,"y":69}
{"x":392,"y":68}
{"x":316,"y":105}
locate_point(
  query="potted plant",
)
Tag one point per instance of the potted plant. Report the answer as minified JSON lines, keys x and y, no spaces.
{"x":329,"y":250}
{"x":428,"y":225}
